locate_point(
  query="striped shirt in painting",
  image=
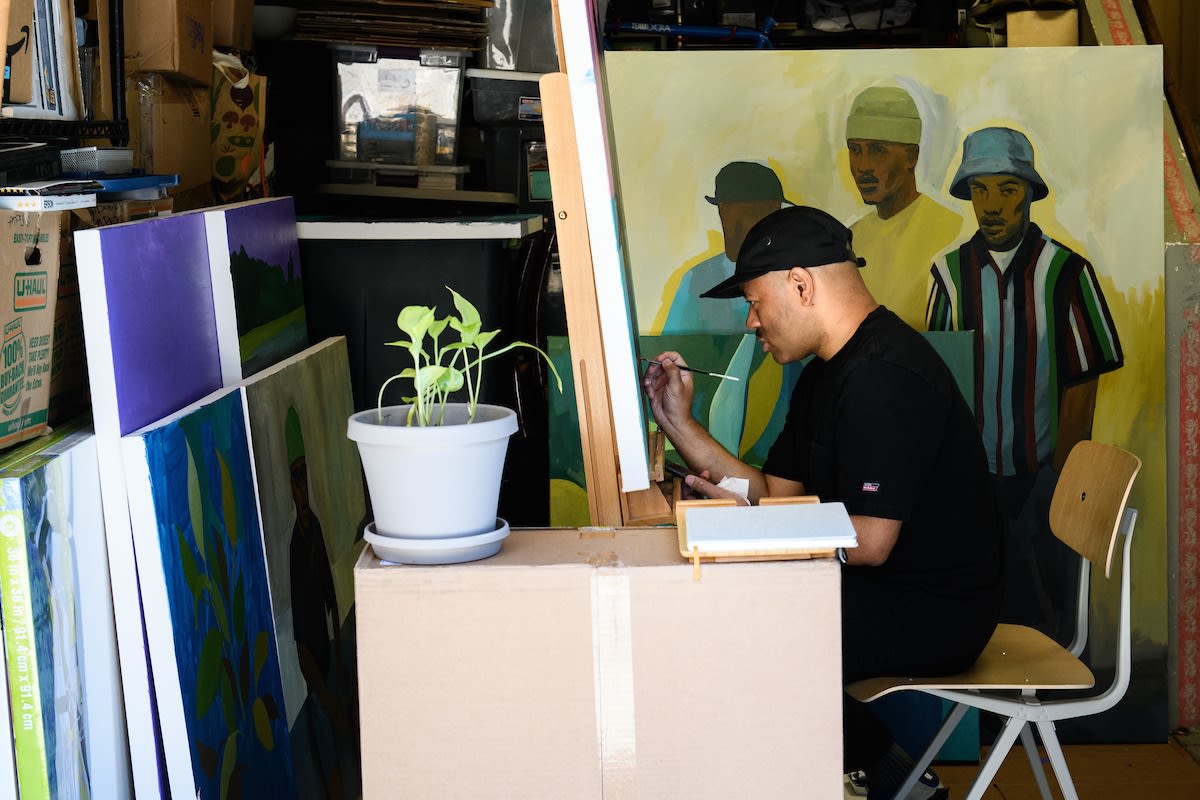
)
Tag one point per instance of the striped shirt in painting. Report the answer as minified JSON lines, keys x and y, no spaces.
{"x":1041,"y":325}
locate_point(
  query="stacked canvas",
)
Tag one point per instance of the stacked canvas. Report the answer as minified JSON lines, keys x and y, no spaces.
{"x":201,"y":573}
{"x":234,"y":670}
{"x":313,"y":513}
{"x":64,"y":693}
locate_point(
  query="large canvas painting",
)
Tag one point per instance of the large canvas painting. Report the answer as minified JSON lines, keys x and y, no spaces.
{"x":310,"y":491}
{"x":935,"y":159}
{"x":202,"y":574}
{"x":147,"y":285}
{"x":64,"y":687}
{"x":254,"y":244}
{"x":154,"y":344}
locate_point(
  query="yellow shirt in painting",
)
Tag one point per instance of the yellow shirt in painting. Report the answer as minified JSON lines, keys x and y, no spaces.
{"x":900,"y":251}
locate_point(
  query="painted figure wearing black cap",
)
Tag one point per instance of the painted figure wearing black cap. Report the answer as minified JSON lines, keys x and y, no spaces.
{"x":1043,"y":336}
{"x":878,"y":423}
{"x":905,"y":229}
{"x":744,"y":193}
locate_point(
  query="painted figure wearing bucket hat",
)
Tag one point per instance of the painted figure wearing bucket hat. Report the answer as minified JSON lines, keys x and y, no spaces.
{"x":744,"y":192}
{"x":861,"y":418}
{"x":905,"y":229}
{"x":1043,"y":331}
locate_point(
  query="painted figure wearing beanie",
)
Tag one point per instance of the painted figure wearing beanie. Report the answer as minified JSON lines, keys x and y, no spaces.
{"x":905,"y":229}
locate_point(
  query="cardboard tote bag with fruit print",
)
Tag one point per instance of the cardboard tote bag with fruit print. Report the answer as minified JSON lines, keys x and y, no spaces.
{"x":239,"y":110}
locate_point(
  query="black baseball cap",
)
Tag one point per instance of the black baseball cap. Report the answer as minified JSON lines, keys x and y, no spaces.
{"x":797,"y":236}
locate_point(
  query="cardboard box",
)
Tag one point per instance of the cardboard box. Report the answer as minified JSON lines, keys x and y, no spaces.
{"x":1043,"y":28}
{"x":233,"y":24}
{"x":115,"y":212}
{"x":174,"y":37}
{"x":29,"y":265}
{"x":102,"y":89}
{"x":172,"y":130}
{"x":593,"y":664}
{"x":18,"y":80}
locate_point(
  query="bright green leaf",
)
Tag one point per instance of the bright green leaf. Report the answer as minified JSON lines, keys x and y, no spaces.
{"x":451,"y":381}
{"x":484,"y":339}
{"x":415,"y":321}
{"x":467,"y":313}
{"x":429,"y":376}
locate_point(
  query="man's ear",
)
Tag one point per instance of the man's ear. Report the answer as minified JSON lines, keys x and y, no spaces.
{"x":800,"y":280}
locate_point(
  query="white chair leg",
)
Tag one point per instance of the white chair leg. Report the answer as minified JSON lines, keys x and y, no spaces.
{"x":1035,"y":762}
{"x":947,"y":727}
{"x":1057,"y":760}
{"x":987,"y":770}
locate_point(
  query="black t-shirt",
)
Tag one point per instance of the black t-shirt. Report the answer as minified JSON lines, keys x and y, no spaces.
{"x":883,"y":428}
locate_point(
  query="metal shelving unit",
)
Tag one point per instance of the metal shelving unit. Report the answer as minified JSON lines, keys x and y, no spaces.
{"x":115,"y":130}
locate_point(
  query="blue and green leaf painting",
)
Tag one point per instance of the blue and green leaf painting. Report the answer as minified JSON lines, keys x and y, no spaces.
{"x":210,"y":539}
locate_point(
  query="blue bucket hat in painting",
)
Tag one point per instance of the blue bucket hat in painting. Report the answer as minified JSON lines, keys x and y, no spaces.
{"x":996,"y":151}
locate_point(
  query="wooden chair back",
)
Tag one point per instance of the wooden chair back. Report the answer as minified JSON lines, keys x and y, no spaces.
{"x":1085,"y":512}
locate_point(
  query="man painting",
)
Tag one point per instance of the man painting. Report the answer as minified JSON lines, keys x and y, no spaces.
{"x":906,"y":228}
{"x":876,"y":422}
{"x":1043,"y":336}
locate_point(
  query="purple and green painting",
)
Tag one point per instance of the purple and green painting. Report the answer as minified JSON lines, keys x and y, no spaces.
{"x":161,"y":322}
{"x":192,"y":499}
{"x":264,"y":260}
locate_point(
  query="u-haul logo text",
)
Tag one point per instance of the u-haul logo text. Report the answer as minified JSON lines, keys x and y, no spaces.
{"x":29,"y":291}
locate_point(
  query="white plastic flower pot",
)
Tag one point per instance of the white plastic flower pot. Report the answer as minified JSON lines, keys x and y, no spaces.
{"x":434,"y":482}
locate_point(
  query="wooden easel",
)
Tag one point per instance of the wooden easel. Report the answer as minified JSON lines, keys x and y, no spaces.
{"x":608,"y":505}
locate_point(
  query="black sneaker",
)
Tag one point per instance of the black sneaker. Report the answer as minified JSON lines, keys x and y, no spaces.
{"x":929,"y":787}
{"x":856,"y":783}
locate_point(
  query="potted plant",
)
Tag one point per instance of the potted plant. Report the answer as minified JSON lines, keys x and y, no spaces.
{"x":434,"y":466}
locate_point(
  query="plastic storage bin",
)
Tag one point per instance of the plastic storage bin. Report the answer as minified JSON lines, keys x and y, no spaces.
{"x":398,"y":110}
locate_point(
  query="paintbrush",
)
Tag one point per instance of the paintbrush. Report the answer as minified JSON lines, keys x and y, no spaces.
{"x":720,"y":375}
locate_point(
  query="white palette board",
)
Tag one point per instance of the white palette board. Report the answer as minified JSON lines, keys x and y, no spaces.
{"x":766,"y":530}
